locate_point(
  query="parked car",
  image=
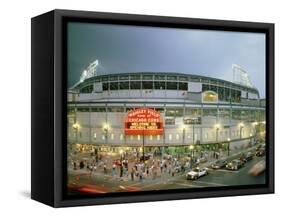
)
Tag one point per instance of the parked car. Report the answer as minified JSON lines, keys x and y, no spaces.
{"x":260,"y":146}
{"x":258,"y":168}
{"x":260,"y":152}
{"x":234,"y":164}
{"x":196,"y":173}
{"x":247,"y":157}
{"x":219,"y":164}
{"x":202,"y":160}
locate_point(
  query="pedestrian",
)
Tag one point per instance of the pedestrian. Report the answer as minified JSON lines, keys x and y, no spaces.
{"x":88,"y":166}
{"x":154,"y":172}
{"x":121,"y":170}
{"x":140,"y":174}
{"x":132,"y":173}
{"x":104,"y":168}
{"x":81,"y":165}
{"x":173,"y":171}
{"x":92,"y":173}
{"x":182,"y":168}
{"x":113,"y":169}
{"x":97,"y":158}
{"x":169,"y":168}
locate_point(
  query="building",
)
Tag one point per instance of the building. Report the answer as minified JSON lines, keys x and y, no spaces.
{"x":195,"y":110}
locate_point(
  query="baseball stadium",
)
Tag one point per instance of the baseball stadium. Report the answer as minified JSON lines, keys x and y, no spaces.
{"x":163,"y":112}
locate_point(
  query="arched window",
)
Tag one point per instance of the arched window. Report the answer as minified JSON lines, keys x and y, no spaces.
{"x":209,"y":96}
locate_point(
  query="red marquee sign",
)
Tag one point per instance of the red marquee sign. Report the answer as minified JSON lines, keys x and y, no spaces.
{"x":143,"y":121}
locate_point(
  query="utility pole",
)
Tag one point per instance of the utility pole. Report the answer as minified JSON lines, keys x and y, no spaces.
{"x":143,"y":144}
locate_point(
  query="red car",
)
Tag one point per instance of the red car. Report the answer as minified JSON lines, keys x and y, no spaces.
{"x":258,"y":168}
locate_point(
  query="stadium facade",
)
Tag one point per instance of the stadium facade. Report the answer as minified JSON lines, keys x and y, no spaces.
{"x":194,"y":110}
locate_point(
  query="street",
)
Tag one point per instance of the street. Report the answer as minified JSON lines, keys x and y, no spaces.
{"x":103,"y":183}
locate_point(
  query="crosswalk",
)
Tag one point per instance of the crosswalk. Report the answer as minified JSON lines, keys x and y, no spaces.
{"x":209,"y":183}
{"x":224,"y":170}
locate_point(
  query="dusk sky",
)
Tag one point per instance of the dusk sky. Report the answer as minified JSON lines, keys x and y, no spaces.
{"x":121,"y":48}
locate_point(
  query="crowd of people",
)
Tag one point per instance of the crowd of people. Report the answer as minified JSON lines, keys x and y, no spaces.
{"x":131,"y":166}
{"x":134,"y":165}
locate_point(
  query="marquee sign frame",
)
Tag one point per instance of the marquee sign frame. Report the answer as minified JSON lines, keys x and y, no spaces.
{"x":143,"y":121}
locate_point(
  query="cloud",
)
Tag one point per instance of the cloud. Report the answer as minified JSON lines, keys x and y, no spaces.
{"x":130,"y":49}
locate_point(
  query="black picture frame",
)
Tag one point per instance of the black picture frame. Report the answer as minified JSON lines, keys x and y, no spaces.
{"x":48,"y":69}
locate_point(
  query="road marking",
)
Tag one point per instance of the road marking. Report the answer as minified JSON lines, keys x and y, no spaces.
{"x":227,"y":171}
{"x":149,"y":185}
{"x":90,"y":190}
{"x":209,"y":183}
{"x":189,"y":185}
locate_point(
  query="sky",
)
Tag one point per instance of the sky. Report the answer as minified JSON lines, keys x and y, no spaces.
{"x":122,"y":48}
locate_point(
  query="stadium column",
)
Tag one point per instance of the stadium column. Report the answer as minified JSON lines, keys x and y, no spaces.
{"x":183,"y":124}
{"x":90,"y":125}
{"x":201,"y":118}
{"x":164,"y":132}
{"x":107,"y":129}
{"x":124,"y":116}
{"x":229,"y":131}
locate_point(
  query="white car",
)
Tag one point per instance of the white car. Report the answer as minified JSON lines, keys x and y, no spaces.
{"x":196,"y":173}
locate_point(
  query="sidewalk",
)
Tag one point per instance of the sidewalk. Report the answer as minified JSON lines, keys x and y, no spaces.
{"x":233,"y":155}
{"x":162,"y":177}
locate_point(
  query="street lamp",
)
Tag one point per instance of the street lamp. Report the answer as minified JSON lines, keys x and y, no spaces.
{"x":241,"y":125}
{"x":183,"y":134}
{"x":191,"y":148}
{"x":228,"y":147}
{"x":163,"y":145}
{"x":263,"y":129}
{"x":254,"y":137}
{"x":217,"y":126}
{"x":192,"y":133}
{"x":121,"y":155}
{"x":106,"y":129}
{"x":76,"y":127}
{"x":255,"y":124}
{"x":143,"y":144}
